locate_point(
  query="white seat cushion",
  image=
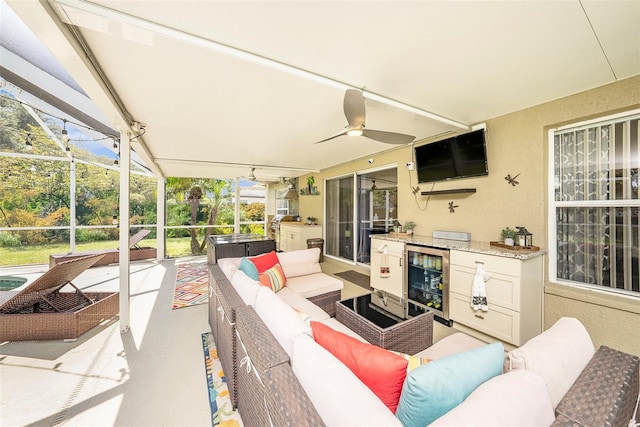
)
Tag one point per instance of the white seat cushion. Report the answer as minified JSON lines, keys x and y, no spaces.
{"x":302,"y":305}
{"x":337,"y":326}
{"x":454,"y":343}
{"x":518,"y":398}
{"x":314,"y":284}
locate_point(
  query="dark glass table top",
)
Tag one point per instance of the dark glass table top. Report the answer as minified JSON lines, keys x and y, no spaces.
{"x":363,"y":306}
{"x":237,"y":238}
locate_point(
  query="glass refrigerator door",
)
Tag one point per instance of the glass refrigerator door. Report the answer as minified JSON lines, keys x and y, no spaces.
{"x":425,"y":282}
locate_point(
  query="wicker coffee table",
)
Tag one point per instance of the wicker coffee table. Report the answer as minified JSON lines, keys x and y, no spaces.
{"x":383,"y":329}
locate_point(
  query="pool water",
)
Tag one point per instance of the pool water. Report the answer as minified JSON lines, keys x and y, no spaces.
{"x":9,"y":283}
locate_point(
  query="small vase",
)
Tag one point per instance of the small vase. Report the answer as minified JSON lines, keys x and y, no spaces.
{"x":508,"y":242}
{"x":409,"y":231}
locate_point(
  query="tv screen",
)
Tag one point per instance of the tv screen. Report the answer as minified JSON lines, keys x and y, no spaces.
{"x":461,"y":156}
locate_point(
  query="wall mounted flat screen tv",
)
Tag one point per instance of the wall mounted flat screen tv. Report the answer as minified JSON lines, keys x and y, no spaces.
{"x":460,"y":156}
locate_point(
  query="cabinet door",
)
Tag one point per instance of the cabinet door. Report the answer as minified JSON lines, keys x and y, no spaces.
{"x":393,"y":282}
{"x":501,"y":289}
{"x":498,"y":322}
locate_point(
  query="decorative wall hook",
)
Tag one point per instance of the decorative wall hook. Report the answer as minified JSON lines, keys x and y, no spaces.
{"x":512,"y":181}
{"x":452,"y":207}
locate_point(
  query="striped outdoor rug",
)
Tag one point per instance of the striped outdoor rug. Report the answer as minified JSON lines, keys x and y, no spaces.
{"x":222,"y":413}
{"x":192,"y":284}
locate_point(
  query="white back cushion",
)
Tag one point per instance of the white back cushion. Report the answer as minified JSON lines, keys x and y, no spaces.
{"x":282,"y":320}
{"x":558,"y":355}
{"x":300,"y":263}
{"x":340,"y":398}
{"x":246,"y":287}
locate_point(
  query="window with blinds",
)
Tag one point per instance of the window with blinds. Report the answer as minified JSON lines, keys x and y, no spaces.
{"x":594,"y":203}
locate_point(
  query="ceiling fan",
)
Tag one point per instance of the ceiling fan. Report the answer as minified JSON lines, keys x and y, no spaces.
{"x":355,"y":113}
{"x":252,"y":177}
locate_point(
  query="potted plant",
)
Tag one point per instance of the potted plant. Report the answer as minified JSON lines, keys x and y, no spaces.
{"x":311,"y":220}
{"x":508,"y":234}
{"x":409,"y":226}
{"x":310,"y":181}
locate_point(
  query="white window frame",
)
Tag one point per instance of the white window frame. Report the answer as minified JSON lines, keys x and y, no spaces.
{"x":553,"y":204}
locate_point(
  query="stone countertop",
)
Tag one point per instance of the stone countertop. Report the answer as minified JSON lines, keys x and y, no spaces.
{"x":477,"y":247}
{"x":298,"y":224}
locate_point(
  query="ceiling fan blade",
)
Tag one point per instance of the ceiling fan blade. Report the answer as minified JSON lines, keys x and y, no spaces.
{"x":344,"y":132}
{"x":354,"y":108}
{"x":388,"y":137}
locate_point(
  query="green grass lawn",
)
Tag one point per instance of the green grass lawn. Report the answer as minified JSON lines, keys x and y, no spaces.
{"x":39,"y":254}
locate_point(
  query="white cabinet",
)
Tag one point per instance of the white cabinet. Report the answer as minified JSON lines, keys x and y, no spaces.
{"x":393,"y":280}
{"x":294,"y":236}
{"x":514,"y":295}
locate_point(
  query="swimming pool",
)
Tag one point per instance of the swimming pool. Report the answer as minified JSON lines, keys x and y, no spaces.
{"x":9,"y":283}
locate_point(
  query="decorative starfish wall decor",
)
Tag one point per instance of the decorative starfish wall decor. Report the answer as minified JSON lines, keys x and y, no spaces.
{"x":452,"y":207}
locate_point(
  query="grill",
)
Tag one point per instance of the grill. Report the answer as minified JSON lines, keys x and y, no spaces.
{"x":275,"y":227}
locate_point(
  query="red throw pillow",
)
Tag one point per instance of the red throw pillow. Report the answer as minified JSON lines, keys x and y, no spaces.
{"x":379,"y":369}
{"x":265,"y":261}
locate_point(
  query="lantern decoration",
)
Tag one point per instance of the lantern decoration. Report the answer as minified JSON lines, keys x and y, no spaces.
{"x":523,"y":237}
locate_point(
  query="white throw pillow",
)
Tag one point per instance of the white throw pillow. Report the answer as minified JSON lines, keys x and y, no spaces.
{"x":340,"y":398}
{"x":282,"y":320}
{"x":517,"y":398}
{"x":558,"y":355}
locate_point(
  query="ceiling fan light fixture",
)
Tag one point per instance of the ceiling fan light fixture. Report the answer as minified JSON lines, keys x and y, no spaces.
{"x":354,"y":132}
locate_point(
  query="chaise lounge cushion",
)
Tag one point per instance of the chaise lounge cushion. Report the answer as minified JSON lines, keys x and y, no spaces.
{"x":339,"y":397}
{"x":432,"y":390}
{"x":558,"y":355}
{"x":381,"y":370}
{"x":517,"y":398}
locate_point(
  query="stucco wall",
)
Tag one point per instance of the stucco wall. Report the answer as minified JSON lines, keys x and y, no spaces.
{"x":517,"y":143}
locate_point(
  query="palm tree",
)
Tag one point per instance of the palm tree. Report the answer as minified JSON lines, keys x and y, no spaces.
{"x":194,"y":191}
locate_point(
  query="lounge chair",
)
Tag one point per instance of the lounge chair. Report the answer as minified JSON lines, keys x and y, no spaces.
{"x":41,"y":312}
{"x":111,"y":255}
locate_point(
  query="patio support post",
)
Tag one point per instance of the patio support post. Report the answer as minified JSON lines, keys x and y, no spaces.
{"x":72,"y":205}
{"x":161,"y":219}
{"x":123,"y":253}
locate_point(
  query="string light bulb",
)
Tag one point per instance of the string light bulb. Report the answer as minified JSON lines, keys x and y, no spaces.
{"x":65,"y":134}
{"x":28,"y":143}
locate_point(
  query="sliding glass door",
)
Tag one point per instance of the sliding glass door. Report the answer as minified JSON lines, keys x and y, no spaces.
{"x":338,"y":217}
{"x":350,"y":221}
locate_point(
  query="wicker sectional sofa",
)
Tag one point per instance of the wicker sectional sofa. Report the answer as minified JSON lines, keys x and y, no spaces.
{"x":278,"y":375}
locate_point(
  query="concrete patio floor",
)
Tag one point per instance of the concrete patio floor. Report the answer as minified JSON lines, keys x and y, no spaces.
{"x":153,"y":375}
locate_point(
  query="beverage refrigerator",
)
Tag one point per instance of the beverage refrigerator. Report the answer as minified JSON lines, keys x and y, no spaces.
{"x":427,"y":281}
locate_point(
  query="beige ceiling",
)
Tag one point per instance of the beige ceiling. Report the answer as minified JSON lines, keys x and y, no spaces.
{"x":209,"y":113}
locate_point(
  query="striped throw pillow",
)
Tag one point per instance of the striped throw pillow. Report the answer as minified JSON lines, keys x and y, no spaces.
{"x":273,"y":278}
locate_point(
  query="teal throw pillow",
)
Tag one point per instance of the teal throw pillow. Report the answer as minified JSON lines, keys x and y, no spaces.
{"x":432,"y":390}
{"x":249,"y":268}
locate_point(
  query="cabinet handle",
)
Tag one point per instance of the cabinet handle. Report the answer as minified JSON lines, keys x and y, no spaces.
{"x":478,"y":316}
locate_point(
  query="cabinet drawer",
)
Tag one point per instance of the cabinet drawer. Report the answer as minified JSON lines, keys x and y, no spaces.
{"x":502,"y":290}
{"x":498,"y":322}
{"x":394,"y":248}
{"x":492,"y":264}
